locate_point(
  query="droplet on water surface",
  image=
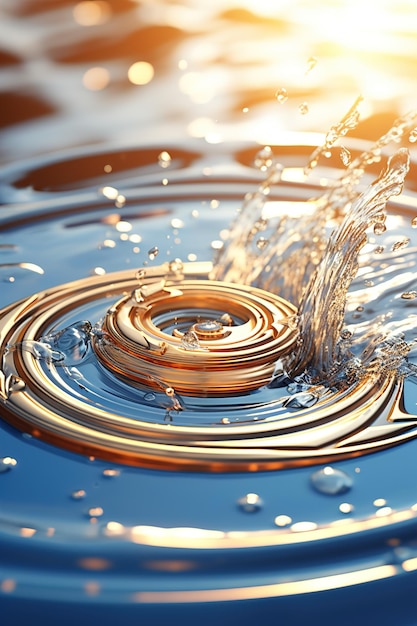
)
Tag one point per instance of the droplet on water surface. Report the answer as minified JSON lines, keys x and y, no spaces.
{"x":250,"y":503}
{"x":331,"y":481}
{"x":7,"y":463}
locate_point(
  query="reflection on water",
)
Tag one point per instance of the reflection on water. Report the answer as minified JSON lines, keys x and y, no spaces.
{"x":74,"y":73}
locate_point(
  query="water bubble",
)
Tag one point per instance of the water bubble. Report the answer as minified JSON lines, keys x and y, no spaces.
{"x":345,"y":156}
{"x":331,"y":481}
{"x":409,"y":295}
{"x":379,"y":228}
{"x":250,"y":503}
{"x":78,"y":494}
{"x":153,"y":253}
{"x":399,"y":245}
{"x":164,"y":159}
{"x":189,"y":341}
{"x":7,"y":463}
{"x":281,"y":95}
{"x":262,"y":243}
{"x":311,"y":64}
{"x":303,"y":108}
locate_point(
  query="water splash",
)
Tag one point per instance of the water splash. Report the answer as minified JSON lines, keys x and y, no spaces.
{"x":323,"y":306}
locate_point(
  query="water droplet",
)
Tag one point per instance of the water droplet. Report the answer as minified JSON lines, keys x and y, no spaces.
{"x":379,"y":502}
{"x":379,"y":228}
{"x":345,"y":156}
{"x":149,"y":397}
{"x":250,"y":503}
{"x":225,"y":420}
{"x":109,"y":192}
{"x":379,"y":250}
{"x":282,"y":520}
{"x":414,"y":222}
{"x":409,"y":295}
{"x":226,"y":319}
{"x":262,"y":243}
{"x":399,"y":245}
{"x":176,"y":266}
{"x":331,"y":481}
{"x":311,"y":64}
{"x":303,"y":108}
{"x":281,"y":95}
{"x":189,"y":341}
{"x":346,"y":507}
{"x":412,"y":138}
{"x":111,"y":473}
{"x":153,"y":253}
{"x":169,"y":391}
{"x":164,"y":159}
{"x":263,"y":159}
{"x":95,"y":511}
{"x":7,"y":463}
{"x":78,"y":494}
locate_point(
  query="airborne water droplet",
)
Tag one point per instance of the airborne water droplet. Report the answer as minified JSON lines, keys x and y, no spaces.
{"x":78,"y":494}
{"x":303,"y":108}
{"x":331,"y":481}
{"x":399,"y":245}
{"x":7,"y":463}
{"x":153,"y":253}
{"x":345,"y":156}
{"x":111,"y":473}
{"x":263,"y":159}
{"x":164,"y":159}
{"x":379,"y":228}
{"x":250,"y":503}
{"x":281,"y":95}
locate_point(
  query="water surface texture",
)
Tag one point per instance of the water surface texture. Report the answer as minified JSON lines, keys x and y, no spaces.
{"x":139,"y":134}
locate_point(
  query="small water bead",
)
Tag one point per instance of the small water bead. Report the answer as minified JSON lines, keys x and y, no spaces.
{"x":409,"y":295}
{"x":250,"y":503}
{"x":110,"y":193}
{"x":414,"y":222}
{"x":282,"y":520}
{"x":153,"y":253}
{"x":345,"y":156}
{"x":281,"y":95}
{"x":379,"y":228}
{"x":78,"y":494}
{"x":176,"y":266}
{"x":169,"y":391}
{"x":399,"y":245}
{"x":331,"y":481}
{"x":226,"y":319}
{"x":140,"y":274}
{"x":164,"y":159}
{"x":303,"y":108}
{"x":95,"y":511}
{"x":379,"y":502}
{"x":7,"y":463}
{"x":379,"y":250}
{"x":262,"y":243}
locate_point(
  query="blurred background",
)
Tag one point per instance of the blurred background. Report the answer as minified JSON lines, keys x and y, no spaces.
{"x":85,"y":73}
